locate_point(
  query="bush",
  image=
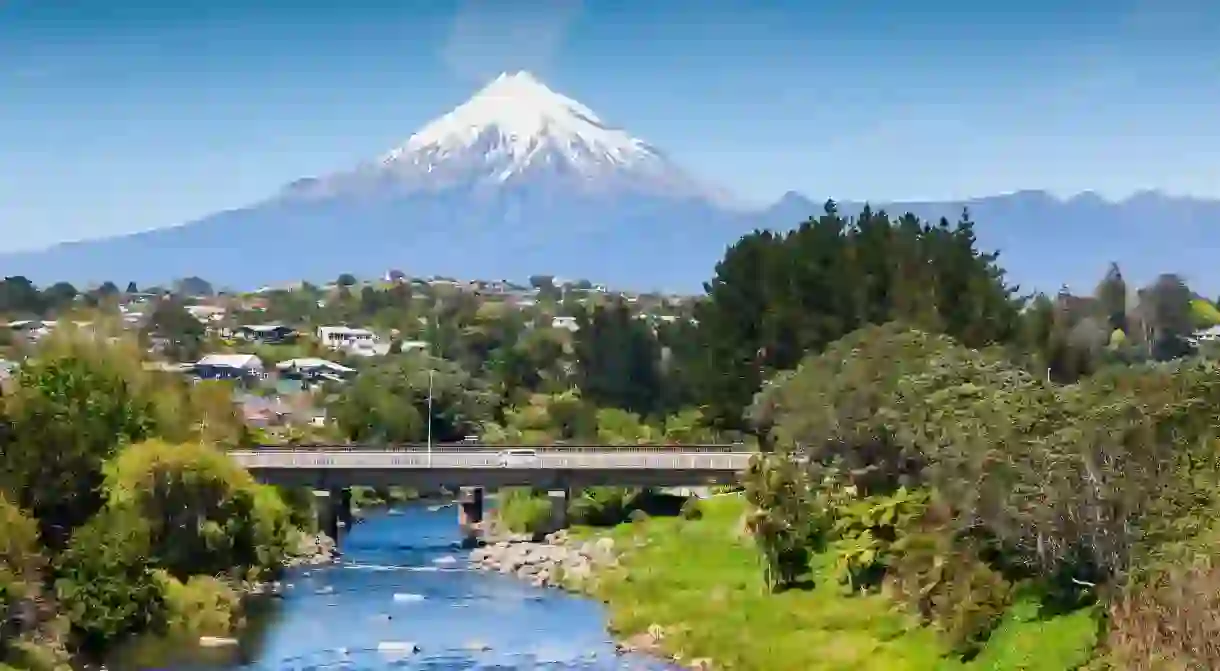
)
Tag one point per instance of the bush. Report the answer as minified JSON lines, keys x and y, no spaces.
{"x":949,"y":587}
{"x":523,"y":511}
{"x":205,"y":514}
{"x":1170,"y":621}
{"x":603,"y":506}
{"x":104,"y":582}
{"x":202,"y":606}
{"x":692,"y":509}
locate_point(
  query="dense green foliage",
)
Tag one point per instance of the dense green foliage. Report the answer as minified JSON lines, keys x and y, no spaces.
{"x":953,"y":477}
{"x":102,"y":527}
{"x":776,"y":297}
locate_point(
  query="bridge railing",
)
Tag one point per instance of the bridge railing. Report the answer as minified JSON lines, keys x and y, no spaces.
{"x":476,"y":447}
{"x":376,"y":460}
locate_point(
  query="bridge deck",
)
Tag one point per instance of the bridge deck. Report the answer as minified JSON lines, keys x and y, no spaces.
{"x":553,"y":460}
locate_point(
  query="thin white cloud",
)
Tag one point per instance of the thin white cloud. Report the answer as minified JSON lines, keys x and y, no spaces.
{"x":492,"y":36}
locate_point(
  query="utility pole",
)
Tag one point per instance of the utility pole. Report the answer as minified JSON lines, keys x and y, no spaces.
{"x":430,"y":372}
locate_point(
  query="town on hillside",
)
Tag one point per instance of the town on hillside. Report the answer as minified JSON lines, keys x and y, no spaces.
{"x":288,"y":351}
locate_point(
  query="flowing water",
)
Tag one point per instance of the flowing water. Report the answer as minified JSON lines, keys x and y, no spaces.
{"x":404,"y":583}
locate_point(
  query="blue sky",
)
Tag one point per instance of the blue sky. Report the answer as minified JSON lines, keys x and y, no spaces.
{"x":125,"y":115}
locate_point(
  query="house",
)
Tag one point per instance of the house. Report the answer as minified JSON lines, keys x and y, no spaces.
{"x":314,"y":369}
{"x":568,"y":323}
{"x":246,"y":367}
{"x":8,"y":374}
{"x":340,"y":337}
{"x":269,"y":334}
{"x":1211,"y":334}
{"x":206,"y":313}
{"x":353,"y":341}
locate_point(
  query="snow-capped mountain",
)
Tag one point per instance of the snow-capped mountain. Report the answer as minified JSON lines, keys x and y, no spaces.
{"x":518,"y":180}
{"x":516,"y":131}
{"x":521,"y":180}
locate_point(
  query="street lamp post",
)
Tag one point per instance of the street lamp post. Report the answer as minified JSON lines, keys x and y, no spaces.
{"x":430,"y":372}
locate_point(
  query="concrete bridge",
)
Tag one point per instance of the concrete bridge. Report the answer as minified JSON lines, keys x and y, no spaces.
{"x":469,"y":467}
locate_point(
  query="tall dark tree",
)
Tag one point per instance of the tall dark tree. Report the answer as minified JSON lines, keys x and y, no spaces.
{"x":193,"y":286}
{"x":1168,"y":316}
{"x":18,"y":295}
{"x":775,"y":299}
{"x":618,"y":359}
{"x":59,"y":296}
{"x":183,"y":332}
{"x":68,"y":416}
{"x":1112,"y":298}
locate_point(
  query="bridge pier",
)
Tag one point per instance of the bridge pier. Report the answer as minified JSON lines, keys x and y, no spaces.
{"x":470,"y":514}
{"x":333,"y":506}
{"x":561,"y":500}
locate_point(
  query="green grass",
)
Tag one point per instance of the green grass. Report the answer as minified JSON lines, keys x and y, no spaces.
{"x":702,"y":582}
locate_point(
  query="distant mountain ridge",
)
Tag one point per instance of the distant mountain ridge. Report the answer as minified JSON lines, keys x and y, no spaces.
{"x":521,"y":180}
{"x":1046,"y":241}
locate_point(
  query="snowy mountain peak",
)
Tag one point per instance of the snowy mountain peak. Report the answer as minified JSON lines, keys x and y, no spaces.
{"x":516,"y":123}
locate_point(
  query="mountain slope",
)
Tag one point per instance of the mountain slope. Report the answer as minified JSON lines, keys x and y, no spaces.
{"x":518,"y":180}
{"x":1046,"y":242}
{"x":521,"y":180}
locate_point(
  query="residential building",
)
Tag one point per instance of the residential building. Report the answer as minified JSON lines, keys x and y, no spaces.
{"x":242,"y":367}
{"x":270,"y":334}
{"x":314,"y":369}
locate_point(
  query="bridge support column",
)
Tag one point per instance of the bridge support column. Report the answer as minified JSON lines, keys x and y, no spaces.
{"x":324,"y":512}
{"x":470,"y":514}
{"x":332,"y":507}
{"x":561,"y":500}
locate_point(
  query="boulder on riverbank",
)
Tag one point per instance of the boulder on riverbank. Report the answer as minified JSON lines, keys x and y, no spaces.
{"x":557,"y":561}
{"x":314,"y":550}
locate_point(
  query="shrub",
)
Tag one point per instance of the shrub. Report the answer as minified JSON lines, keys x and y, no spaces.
{"x":205,"y":514}
{"x":1170,"y":621}
{"x":867,"y":530}
{"x":603,"y":506}
{"x":203,"y":605}
{"x":943,"y":581}
{"x":692,"y":509}
{"x":523,"y":511}
{"x":104,"y":582}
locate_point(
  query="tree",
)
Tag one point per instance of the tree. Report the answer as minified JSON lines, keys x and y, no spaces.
{"x":346,"y":280}
{"x":542,"y":281}
{"x":1112,"y":298}
{"x":1169,"y":316}
{"x":775,"y":298}
{"x":104,"y":581}
{"x":132,"y":288}
{"x":21,"y":565}
{"x":59,"y":296}
{"x":193,"y":286}
{"x":618,"y":359}
{"x":388,"y":402}
{"x":184,"y":333}
{"x":69,"y":414}
{"x":19,"y":295}
{"x":204,"y":513}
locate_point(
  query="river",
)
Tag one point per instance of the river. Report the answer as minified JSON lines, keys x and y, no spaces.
{"x":403,"y":580}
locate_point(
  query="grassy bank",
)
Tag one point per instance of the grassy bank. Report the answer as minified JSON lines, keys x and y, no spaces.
{"x":701,"y":582}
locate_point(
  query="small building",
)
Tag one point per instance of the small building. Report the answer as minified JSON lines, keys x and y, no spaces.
{"x":268,"y":334}
{"x":340,"y":337}
{"x":206,"y":313}
{"x":568,"y":323}
{"x":245,"y":367}
{"x":311,"y":369}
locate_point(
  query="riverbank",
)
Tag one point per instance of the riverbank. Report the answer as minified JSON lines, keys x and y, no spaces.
{"x":402,"y":583}
{"x":693,"y":591}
